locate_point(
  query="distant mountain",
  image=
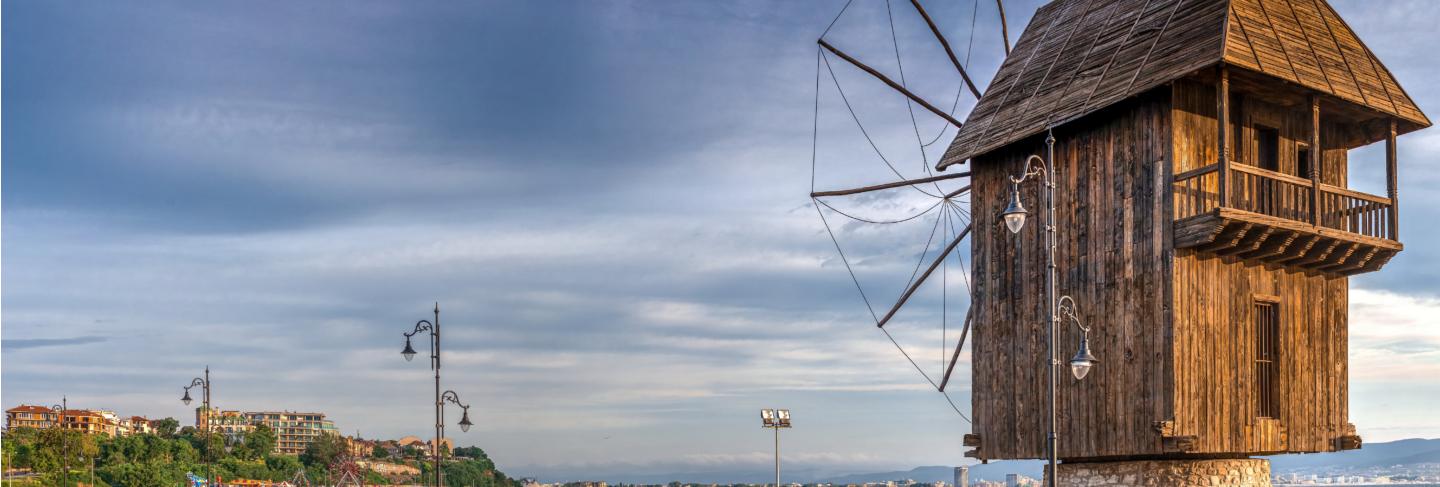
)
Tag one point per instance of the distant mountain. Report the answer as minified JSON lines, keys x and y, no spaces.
{"x":1402,"y":452}
{"x":992,"y":471}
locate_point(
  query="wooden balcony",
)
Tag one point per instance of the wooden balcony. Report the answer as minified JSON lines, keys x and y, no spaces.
{"x":1280,"y":219}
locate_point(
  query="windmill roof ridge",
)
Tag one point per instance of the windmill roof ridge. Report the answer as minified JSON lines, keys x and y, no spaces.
{"x":1079,"y":56}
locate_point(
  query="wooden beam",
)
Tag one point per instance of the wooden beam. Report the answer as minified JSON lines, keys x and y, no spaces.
{"x":1391,"y":184}
{"x":948,"y":52}
{"x":896,"y":184}
{"x":1250,"y":243}
{"x":955,"y":357}
{"x":1222,"y":107}
{"x":1004,"y":28}
{"x":1234,"y":232}
{"x":887,"y":81}
{"x":1303,"y":249}
{"x":958,"y":192}
{"x":916,"y":285}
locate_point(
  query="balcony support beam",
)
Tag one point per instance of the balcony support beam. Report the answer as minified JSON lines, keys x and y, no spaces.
{"x":1391,"y":186}
{"x":1315,"y":159}
{"x":1222,"y":115}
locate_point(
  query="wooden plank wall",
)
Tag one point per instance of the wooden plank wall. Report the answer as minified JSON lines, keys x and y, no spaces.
{"x":1112,"y":256}
{"x":1214,"y":339}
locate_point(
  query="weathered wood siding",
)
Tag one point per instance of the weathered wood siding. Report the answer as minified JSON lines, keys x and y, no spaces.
{"x":1113,"y":256}
{"x":1214,"y":340}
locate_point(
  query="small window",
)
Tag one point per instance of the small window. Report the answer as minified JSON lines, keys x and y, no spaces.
{"x":1267,"y":353}
{"x":1267,"y":148}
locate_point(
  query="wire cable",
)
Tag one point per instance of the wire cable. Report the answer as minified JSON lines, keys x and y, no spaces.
{"x":864,"y":132}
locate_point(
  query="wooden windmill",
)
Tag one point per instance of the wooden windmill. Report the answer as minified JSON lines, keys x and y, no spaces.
{"x":1205,"y":226}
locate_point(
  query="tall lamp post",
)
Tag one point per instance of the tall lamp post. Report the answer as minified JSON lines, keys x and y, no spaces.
{"x":64,"y":438}
{"x":204,"y":384}
{"x":1014,"y":215}
{"x":776,"y":419}
{"x":440,"y":398}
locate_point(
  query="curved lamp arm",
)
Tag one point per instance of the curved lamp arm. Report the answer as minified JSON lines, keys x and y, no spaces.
{"x":1034,"y":166}
{"x":1083,"y":361}
{"x":422,"y":325}
{"x":452,"y":397}
{"x":409,"y":352}
{"x":1068,"y":311}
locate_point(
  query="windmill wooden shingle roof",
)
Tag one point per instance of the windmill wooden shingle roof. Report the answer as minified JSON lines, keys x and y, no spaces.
{"x":1079,"y":56}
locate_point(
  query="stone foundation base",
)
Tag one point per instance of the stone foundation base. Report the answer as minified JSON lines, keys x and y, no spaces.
{"x":1249,"y":472}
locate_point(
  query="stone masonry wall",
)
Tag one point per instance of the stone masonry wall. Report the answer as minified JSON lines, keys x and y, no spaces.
{"x":1248,"y":472}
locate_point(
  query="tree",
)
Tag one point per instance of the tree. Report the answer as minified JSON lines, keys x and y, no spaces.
{"x":285,"y":465}
{"x":322,"y":452}
{"x":166,"y":427}
{"x":379,"y":452}
{"x":258,"y":443}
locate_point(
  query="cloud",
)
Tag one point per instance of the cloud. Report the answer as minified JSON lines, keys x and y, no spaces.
{"x":607,"y":200}
{"x":15,"y":344}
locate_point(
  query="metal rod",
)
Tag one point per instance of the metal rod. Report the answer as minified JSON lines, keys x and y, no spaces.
{"x":1050,"y":293}
{"x":777,"y":456}
{"x":945,"y":44}
{"x":956,"y":356}
{"x":1004,"y":28}
{"x":896,"y":86}
{"x":439,"y":406}
{"x":916,"y":285}
{"x":896,"y":184}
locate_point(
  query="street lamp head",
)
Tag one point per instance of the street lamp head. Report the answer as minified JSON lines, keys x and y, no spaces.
{"x":465,"y":420}
{"x":186,"y":399}
{"x":409,"y":351}
{"x":1083,"y":361}
{"x":1014,"y":212}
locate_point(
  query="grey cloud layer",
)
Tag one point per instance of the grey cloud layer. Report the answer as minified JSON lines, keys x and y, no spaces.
{"x":606,"y":199}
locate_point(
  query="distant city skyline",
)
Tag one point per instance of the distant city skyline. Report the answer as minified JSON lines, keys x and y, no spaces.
{"x":606,"y":199}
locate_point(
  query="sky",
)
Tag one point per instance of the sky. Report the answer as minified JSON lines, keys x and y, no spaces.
{"x":607,"y":200}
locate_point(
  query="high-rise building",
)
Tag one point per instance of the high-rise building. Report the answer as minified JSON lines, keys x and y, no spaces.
{"x":962,"y":476}
{"x":1012,"y":480}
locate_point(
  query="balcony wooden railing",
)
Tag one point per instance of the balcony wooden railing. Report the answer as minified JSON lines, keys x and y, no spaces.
{"x":1283,"y":196}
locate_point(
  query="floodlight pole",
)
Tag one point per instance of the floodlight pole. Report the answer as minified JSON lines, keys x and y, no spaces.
{"x":777,"y":456}
{"x":775,"y":419}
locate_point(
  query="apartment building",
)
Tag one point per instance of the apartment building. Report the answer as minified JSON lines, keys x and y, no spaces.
{"x":30,"y":416}
{"x":294,"y":431}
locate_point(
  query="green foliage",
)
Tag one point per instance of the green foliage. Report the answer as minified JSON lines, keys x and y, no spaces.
{"x":166,"y":427}
{"x":322,"y":451}
{"x":379,"y":452}
{"x":157,"y":460}
{"x":258,"y":443}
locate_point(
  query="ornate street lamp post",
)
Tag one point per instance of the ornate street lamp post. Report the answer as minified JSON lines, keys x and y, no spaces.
{"x":1014,"y":215}
{"x":440,"y":398}
{"x":64,"y":438}
{"x":204,"y":384}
